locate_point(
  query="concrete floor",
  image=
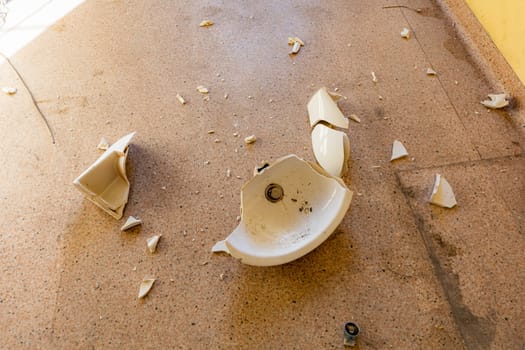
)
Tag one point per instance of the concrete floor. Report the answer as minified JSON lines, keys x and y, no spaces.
{"x":412,"y":275}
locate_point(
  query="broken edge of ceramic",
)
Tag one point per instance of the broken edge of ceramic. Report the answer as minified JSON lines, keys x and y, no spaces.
{"x":398,"y":150}
{"x":323,"y":108}
{"x":258,"y":241}
{"x":442,"y":193}
{"x":331,"y":149}
{"x":105,"y":182}
{"x":220,"y":247}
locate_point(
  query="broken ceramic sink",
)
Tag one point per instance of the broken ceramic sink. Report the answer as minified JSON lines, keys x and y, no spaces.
{"x":287,"y":210}
{"x":331,"y":149}
{"x":105,"y":182}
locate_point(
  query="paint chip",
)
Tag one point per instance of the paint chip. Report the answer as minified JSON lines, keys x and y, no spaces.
{"x":206,"y":23}
{"x":442,"y":194}
{"x":145,"y":287}
{"x":496,"y":101}
{"x":398,"y":150}
{"x":152,"y":243}
{"x":131,"y":222}
{"x":405,"y":33}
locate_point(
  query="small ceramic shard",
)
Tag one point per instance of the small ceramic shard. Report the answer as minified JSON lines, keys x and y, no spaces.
{"x":250,"y":139}
{"x":374,"y":78}
{"x":206,"y":23}
{"x":335,"y":96}
{"x":145,"y":287}
{"x":405,"y":33}
{"x":442,"y":194}
{"x":152,"y":243}
{"x":226,"y":96}
{"x":217,"y":141}
{"x":496,"y":101}
{"x":220,"y":246}
{"x":355,"y":118}
{"x":292,"y":40}
{"x":228,"y":173}
{"x":103,"y":144}
{"x":398,"y":150}
{"x":211,"y":132}
{"x":430,"y":71}
{"x":296,"y":47}
{"x":181,"y":99}
{"x":202,"y":89}
{"x":131,"y":222}
{"x":331,"y":149}
{"x":9,"y":90}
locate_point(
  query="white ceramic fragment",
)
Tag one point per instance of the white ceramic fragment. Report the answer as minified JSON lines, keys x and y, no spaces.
{"x":180,"y":99}
{"x":9,"y":90}
{"x":202,"y":89}
{"x":288,"y":209}
{"x":206,"y":23}
{"x":336,"y":96}
{"x":496,"y":101}
{"x":145,"y":287}
{"x":398,"y":150}
{"x":374,"y":78}
{"x":355,"y":118}
{"x":103,"y":144}
{"x":322,"y":107}
{"x":152,"y":243}
{"x":250,"y":139}
{"x":430,"y":71}
{"x":219,"y":247}
{"x":131,"y":222}
{"x":293,"y":40}
{"x":405,"y":33}
{"x":296,"y":47}
{"x":105,"y":182}
{"x":442,"y":194}
{"x":331,"y":149}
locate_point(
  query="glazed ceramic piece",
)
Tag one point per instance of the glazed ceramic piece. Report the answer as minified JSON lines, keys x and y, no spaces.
{"x":288,"y":209}
{"x":322,"y":107}
{"x":331,"y":149}
{"x":152,"y":243}
{"x":442,"y":193}
{"x":398,"y":150}
{"x":105,"y":182}
{"x":131,"y":222}
{"x":496,"y":101}
{"x":145,"y":287}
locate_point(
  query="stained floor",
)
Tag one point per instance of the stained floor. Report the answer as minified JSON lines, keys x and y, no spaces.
{"x":412,"y":275}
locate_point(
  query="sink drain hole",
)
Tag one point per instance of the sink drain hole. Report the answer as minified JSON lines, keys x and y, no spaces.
{"x":274,"y":193}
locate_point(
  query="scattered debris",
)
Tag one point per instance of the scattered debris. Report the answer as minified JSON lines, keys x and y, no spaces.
{"x":206,"y":162}
{"x":221,"y":276}
{"x":398,"y":150}
{"x":226,"y":96}
{"x":430,"y":71}
{"x":9,"y":90}
{"x":442,"y":194}
{"x":202,"y":89}
{"x":152,"y":243}
{"x":380,"y":97}
{"x":145,"y":287}
{"x":235,"y":134}
{"x":131,"y":222}
{"x":211,"y":132}
{"x":355,"y":118}
{"x":405,"y":33}
{"x":103,"y":145}
{"x":496,"y":101}
{"x":228,"y":173}
{"x":351,"y":331}
{"x":181,"y":99}
{"x":250,"y":139}
{"x":217,"y":141}
{"x":336,"y":96}
{"x":296,"y":44}
{"x":206,"y":23}
{"x":374,"y":78}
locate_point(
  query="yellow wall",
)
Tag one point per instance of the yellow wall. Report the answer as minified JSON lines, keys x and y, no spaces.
{"x":504,"y":20}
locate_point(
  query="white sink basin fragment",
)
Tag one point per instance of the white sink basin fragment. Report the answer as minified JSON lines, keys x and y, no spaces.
{"x":331,"y":149}
{"x":323,"y":108}
{"x":287,"y":209}
{"x":105,"y":182}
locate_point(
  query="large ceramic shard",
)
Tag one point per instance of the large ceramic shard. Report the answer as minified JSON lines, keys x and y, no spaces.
{"x":323,"y":108}
{"x":331,"y":149}
{"x":105,"y":182}
{"x":288,"y":209}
